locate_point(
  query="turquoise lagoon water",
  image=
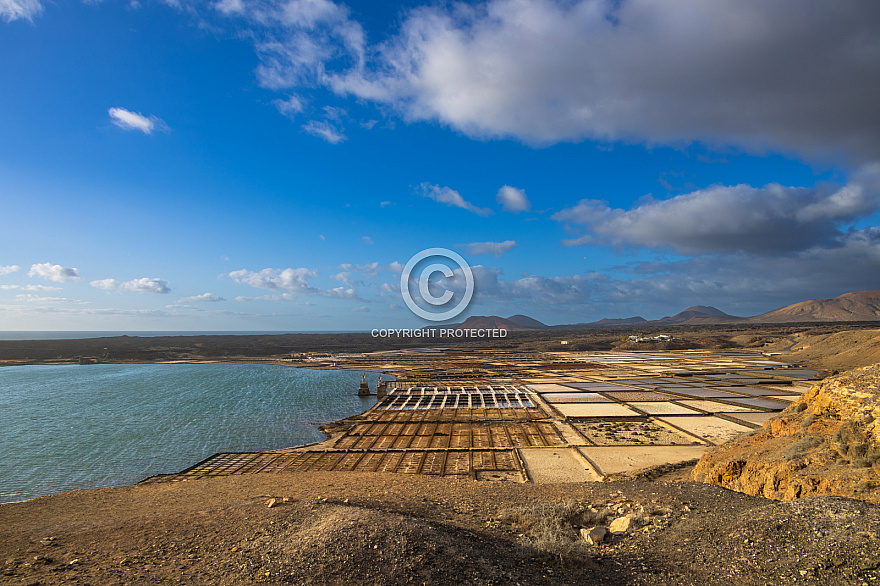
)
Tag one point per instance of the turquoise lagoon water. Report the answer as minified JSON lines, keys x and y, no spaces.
{"x":74,"y":427}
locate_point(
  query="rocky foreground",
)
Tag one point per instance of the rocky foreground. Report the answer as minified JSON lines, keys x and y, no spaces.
{"x":827,"y":443}
{"x":363,"y":528}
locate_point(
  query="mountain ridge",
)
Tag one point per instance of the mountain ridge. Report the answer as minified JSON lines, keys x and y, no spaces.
{"x":852,"y":306}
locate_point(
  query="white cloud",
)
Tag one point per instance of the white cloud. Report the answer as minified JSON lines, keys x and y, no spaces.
{"x":512,"y":199}
{"x":203,"y":298}
{"x":52,"y":272}
{"x":290,"y":107}
{"x":450,"y":197}
{"x":290,"y":281}
{"x":495,"y":248}
{"x":282,"y":297}
{"x":142,"y":285}
{"x":756,"y":74}
{"x":325,"y":130}
{"x":31,"y":298}
{"x":385,"y":204}
{"x":367,"y":240}
{"x":5,"y":270}
{"x":727,"y":219}
{"x":43,"y":288}
{"x":127,"y":120}
{"x":230,"y":7}
{"x":14,"y":9}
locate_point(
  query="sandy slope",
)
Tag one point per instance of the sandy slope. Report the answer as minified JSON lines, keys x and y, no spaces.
{"x":348,"y":528}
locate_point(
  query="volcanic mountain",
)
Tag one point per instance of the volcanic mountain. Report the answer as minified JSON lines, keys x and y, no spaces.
{"x":700,"y":314}
{"x":856,"y":306}
{"x":493,"y":322}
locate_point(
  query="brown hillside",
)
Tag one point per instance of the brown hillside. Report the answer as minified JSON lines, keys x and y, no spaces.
{"x":856,"y":306}
{"x":828,"y":443}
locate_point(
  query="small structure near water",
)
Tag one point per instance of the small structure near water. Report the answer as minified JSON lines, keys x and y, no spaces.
{"x":364,"y":389}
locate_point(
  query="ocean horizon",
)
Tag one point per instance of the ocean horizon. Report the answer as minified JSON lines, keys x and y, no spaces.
{"x":12,"y":335}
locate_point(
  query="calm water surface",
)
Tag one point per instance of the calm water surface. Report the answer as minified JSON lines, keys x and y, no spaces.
{"x":72,"y":427}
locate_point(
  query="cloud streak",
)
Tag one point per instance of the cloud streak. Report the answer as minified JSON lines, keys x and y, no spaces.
{"x":20,"y":9}
{"x":128,"y":120}
{"x":203,"y":298}
{"x":142,"y":285}
{"x":450,"y":197}
{"x":493,"y":248}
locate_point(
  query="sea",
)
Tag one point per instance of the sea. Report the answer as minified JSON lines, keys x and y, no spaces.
{"x":81,"y":335}
{"x":69,"y":427}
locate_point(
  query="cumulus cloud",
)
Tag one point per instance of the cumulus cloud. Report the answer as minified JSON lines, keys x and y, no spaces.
{"x":127,"y":120}
{"x":15,"y":9}
{"x":450,"y":197}
{"x":142,"y":285}
{"x":288,"y":281}
{"x":752,"y":73}
{"x":727,"y":219}
{"x":52,"y":272}
{"x":512,"y":199}
{"x":5,"y":270}
{"x":203,"y":298}
{"x":740,"y":283}
{"x":495,"y":248}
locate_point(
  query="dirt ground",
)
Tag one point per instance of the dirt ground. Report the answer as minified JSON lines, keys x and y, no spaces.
{"x":350,"y":528}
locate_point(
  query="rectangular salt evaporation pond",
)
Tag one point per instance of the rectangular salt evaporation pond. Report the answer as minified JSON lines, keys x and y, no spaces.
{"x":762,"y":403}
{"x":594,"y":410}
{"x":614,"y":459}
{"x":575,"y":398}
{"x":713,"y":429}
{"x":597,"y":387}
{"x":633,"y":396}
{"x":549,"y":388}
{"x":755,"y":417}
{"x":664,"y":408}
{"x":715,"y":406}
{"x":703,"y":392}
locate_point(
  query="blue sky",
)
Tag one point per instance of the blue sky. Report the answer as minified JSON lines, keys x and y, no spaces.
{"x":271,"y":165}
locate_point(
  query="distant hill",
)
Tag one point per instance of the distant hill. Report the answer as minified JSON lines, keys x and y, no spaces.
{"x":856,"y":306}
{"x":490,"y":322}
{"x":700,"y":314}
{"x":621,"y":321}
{"x":527,"y":322}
